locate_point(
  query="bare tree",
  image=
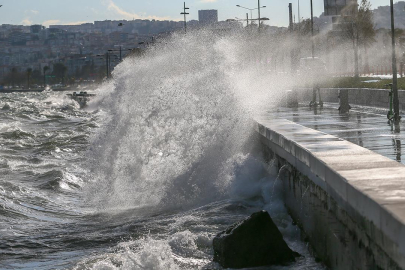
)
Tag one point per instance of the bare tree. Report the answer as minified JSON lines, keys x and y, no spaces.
{"x":366,"y":26}
{"x":357,"y":26}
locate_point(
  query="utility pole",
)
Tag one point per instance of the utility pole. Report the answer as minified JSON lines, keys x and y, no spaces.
{"x":291,"y":17}
{"x":247,"y":19}
{"x":312,"y":30}
{"x":185,"y":13}
{"x":291,"y":29}
{"x":258,"y":8}
{"x":394,"y":67}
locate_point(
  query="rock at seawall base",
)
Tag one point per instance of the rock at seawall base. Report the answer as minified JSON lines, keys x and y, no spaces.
{"x":253,"y":242}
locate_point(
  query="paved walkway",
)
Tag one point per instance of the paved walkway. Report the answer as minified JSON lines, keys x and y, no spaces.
{"x":364,"y":126}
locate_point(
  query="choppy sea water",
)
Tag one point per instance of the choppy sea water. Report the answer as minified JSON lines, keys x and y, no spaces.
{"x":144,"y":177}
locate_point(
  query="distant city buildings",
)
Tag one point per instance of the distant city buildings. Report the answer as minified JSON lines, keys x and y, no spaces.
{"x":382,"y":16}
{"x":207,"y":17}
{"x":82,"y":48}
{"x":78,"y":47}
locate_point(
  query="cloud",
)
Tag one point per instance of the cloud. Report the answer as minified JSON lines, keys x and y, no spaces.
{"x":34,"y":12}
{"x":75,"y":23}
{"x":127,"y":15}
{"x":95,"y":11}
{"x":58,"y":22}
{"x":50,"y":22}
{"x":26,"y":21}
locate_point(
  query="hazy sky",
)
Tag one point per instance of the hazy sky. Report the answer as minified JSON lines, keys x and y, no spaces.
{"x":47,"y":12}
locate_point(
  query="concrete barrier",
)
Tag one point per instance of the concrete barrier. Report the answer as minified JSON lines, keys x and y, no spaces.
{"x":348,"y":200}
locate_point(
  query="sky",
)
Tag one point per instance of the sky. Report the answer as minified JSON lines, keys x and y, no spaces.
{"x":48,"y":12}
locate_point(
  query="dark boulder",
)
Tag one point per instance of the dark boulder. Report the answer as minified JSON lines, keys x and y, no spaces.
{"x":253,"y":242}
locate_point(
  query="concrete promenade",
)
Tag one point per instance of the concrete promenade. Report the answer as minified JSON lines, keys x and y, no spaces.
{"x":366,"y":127}
{"x":349,"y":200}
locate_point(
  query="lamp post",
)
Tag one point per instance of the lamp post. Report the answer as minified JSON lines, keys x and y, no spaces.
{"x":394,"y":67}
{"x":251,"y":10}
{"x":107,"y":57}
{"x":314,"y":87}
{"x":107,"y":63}
{"x":120,"y":25}
{"x":120,"y":51}
{"x":242,"y":20}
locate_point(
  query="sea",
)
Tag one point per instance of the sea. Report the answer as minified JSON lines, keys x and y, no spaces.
{"x":161,"y":160}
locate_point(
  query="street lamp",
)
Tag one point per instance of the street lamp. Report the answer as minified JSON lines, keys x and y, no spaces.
{"x":394,"y":67}
{"x":240,"y":20}
{"x":107,"y":61}
{"x":258,"y":7}
{"x":314,"y":87}
{"x":251,"y":9}
{"x":120,"y":50}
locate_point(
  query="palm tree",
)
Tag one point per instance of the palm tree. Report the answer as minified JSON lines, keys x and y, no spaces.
{"x":13,"y":75}
{"x":46,"y":68}
{"x":59,"y":70}
{"x":29,"y":72}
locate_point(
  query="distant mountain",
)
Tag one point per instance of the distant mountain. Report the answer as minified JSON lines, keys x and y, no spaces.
{"x":382,"y":16}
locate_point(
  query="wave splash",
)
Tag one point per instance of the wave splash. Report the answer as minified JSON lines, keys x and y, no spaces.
{"x":172,"y":120}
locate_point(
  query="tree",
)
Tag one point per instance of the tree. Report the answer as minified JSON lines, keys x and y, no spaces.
{"x":367,"y":31}
{"x":13,"y":75}
{"x":357,"y":26}
{"x":303,"y":28}
{"x":36,"y":76}
{"x":29,"y":72}
{"x":46,"y":68}
{"x":59,"y":70}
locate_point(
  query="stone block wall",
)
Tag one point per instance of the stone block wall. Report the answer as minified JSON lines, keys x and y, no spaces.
{"x":347,"y":199}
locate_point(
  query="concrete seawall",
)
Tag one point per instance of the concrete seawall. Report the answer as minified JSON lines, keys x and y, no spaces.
{"x":349,"y":201}
{"x":357,"y":96}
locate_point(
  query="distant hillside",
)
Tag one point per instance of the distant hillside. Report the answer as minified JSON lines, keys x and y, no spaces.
{"x":382,"y":16}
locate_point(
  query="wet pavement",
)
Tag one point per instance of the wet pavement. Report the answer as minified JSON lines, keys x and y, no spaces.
{"x":364,"y":126}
